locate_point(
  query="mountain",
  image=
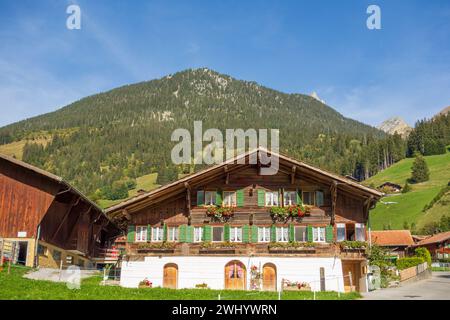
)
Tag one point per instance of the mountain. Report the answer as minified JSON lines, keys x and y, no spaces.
{"x":395,"y":124}
{"x":443,"y":111}
{"x":104,"y":142}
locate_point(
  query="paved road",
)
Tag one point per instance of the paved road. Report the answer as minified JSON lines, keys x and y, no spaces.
{"x":435,"y":288}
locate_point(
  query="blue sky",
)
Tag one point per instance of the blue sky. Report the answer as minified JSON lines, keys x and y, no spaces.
{"x":292,"y":46}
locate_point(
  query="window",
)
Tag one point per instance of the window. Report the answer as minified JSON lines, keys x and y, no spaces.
{"x":300,"y":234}
{"x":56,"y":255}
{"x":229,"y":199}
{"x":340,"y":232}
{"x":42,"y":250}
{"x":290,"y":198}
{"x":210,"y":198}
{"x":360,"y":232}
{"x":198,"y":234}
{"x":263,"y":234}
{"x":271,"y":198}
{"x":318,"y":234}
{"x":172,"y":234}
{"x":282,"y":234}
{"x":217,"y":234}
{"x":157,"y":234}
{"x":308,"y":197}
{"x":235,"y":234}
{"x":141,"y":233}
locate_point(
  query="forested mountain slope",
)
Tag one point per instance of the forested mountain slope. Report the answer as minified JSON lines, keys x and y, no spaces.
{"x":102,"y":143}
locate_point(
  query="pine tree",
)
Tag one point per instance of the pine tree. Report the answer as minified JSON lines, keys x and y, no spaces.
{"x":420,"y":171}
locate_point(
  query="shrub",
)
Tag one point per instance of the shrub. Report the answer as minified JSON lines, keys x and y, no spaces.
{"x":353,"y":244}
{"x":408,"y":262}
{"x":424,"y":254}
{"x":406,"y":188}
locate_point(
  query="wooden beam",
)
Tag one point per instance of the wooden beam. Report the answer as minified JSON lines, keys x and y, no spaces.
{"x":126,"y":214}
{"x":188,"y":199}
{"x":72,"y":204}
{"x":294,"y":168}
{"x":71,"y":233}
{"x":333,"y":190}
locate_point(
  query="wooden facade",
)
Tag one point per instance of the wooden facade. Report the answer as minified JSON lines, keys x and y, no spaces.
{"x":174,"y":221}
{"x":41,"y":209}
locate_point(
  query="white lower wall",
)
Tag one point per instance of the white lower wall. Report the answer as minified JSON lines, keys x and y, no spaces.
{"x":194,"y":270}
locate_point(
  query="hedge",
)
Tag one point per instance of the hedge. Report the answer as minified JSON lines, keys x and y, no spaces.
{"x":405,"y":263}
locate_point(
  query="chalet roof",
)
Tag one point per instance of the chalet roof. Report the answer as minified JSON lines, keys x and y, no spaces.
{"x":439,"y":237}
{"x":219,"y":169}
{"x":391,"y":184}
{"x":50,"y":177}
{"x":392,"y":238}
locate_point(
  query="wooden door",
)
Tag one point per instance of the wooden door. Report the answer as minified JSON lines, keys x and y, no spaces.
{"x":170,"y":279}
{"x":235,"y":276}
{"x":353,"y":267}
{"x":269,"y":277}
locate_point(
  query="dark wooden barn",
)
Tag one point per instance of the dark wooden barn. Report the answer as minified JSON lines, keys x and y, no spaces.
{"x":50,"y":219}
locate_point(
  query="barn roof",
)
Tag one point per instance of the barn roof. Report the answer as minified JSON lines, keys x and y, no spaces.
{"x":439,"y":237}
{"x":392,"y":238}
{"x":219,"y":169}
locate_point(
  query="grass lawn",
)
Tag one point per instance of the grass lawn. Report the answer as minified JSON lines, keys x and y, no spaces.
{"x":15,"y":287}
{"x":438,"y":269}
{"x":408,"y":207}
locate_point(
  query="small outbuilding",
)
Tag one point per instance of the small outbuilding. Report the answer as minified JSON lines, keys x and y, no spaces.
{"x":396,"y":241}
{"x":390,"y":187}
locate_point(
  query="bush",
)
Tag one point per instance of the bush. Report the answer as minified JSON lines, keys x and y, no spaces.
{"x":406,"y":188}
{"x":424,"y":254}
{"x":408,"y":262}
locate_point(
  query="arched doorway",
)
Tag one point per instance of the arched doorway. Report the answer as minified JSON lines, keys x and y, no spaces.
{"x":170,"y":277}
{"x":269,"y":277}
{"x":235,"y":275}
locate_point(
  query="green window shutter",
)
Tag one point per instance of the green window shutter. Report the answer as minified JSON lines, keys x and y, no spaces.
{"x":319,"y":198}
{"x":309,"y":233}
{"x":329,"y":234}
{"x":291,"y":233}
{"x":261,"y":198}
{"x":273,"y":233}
{"x":149,"y":233}
{"x":245,"y":233}
{"x":240,"y":197}
{"x":165,"y":232}
{"x":182,"y":233}
{"x":299,"y":196}
{"x":254,"y":231}
{"x":226,"y":232}
{"x":207,"y":233}
{"x":200,"y":198}
{"x":189,"y":234}
{"x":131,"y":235}
{"x":219,"y":197}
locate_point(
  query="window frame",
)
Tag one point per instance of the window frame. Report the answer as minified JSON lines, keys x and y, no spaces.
{"x":212,"y":233}
{"x":321,"y":231}
{"x":234,"y":233}
{"x":212,"y":201}
{"x":175,"y":234}
{"x":304,"y":233}
{"x":233,"y":199}
{"x":200,"y":233}
{"x":265,"y":231}
{"x":160,"y":232}
{"x":272,"y":198}
{"x":294,"y":200}
{"x":313,"y":197}
{"x":283,"y":232}
{"x":141,"y":228}
{"x":360,"y":226}
{"x":341,"y":226}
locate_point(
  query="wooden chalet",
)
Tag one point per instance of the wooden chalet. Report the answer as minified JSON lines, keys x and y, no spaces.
{"x":52,"y":222}
{"x":230,"y":227}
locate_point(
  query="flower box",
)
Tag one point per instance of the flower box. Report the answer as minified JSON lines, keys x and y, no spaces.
{"x":156,"y":250}
{"x":217,"y":250}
